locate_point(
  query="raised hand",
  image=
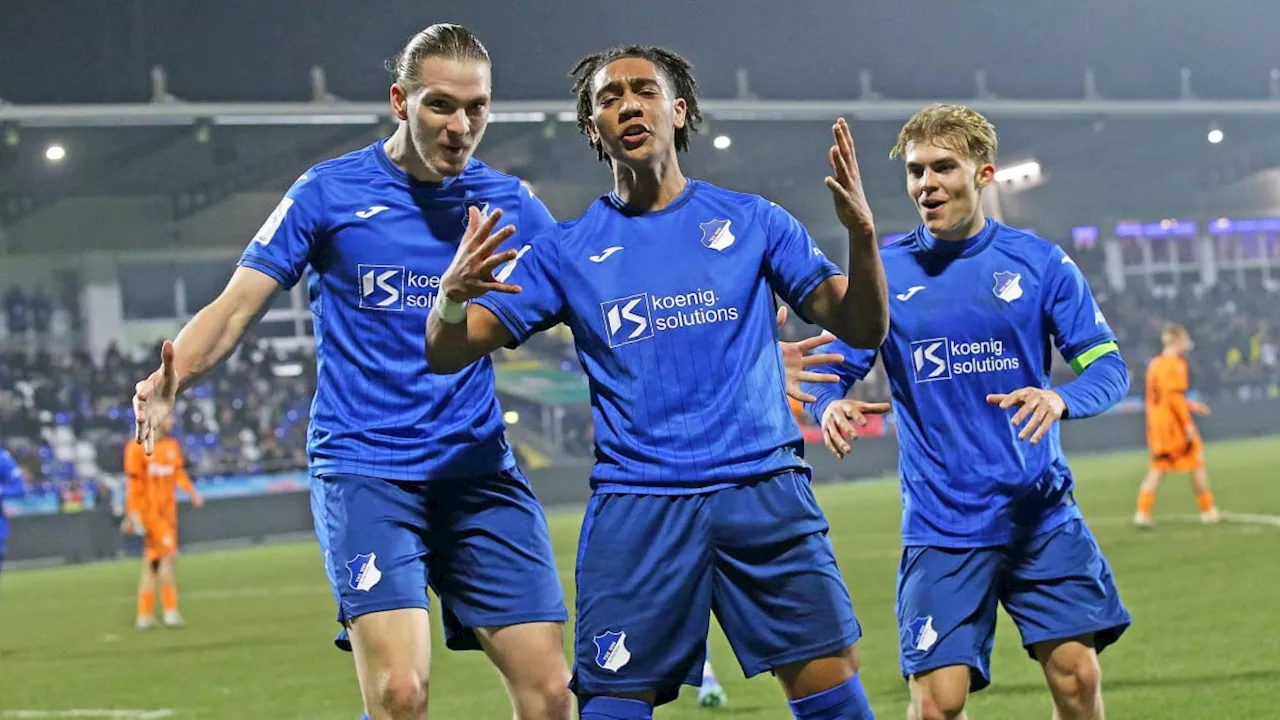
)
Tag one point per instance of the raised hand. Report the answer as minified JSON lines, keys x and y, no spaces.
{"x":470,"y":275}
{"x":845,"y":183}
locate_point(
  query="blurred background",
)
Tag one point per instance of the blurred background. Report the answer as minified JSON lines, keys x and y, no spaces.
{"x":142,"y":143}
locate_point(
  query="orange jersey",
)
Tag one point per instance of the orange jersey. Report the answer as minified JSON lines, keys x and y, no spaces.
{"x":1168,"y":414}
{"x":153,"y":483}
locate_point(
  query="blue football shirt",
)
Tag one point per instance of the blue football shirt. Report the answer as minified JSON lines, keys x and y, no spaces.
{"x":672,"y":313}
{"x":10,"y":487}
{"x":967,"y":319}
{"x":373,"y":242}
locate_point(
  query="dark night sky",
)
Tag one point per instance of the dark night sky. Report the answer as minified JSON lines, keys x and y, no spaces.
{"x":62,"y":51}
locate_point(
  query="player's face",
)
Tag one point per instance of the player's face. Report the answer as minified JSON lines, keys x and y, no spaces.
{"x":946,"y":187}
{"x":446,"y":112}
{"x":635,"y":112}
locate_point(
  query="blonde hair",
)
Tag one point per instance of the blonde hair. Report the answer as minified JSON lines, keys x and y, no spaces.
{"x":957,"y":126}
{"x":1172,"y":333}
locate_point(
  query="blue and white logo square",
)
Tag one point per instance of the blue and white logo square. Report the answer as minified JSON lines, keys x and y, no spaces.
{"x":931,"y":359}
{"x":627,"y":320}
{"x":381,"y":287}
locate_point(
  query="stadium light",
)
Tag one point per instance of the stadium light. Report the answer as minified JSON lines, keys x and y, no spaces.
{"x":722,"y":142}
{"x":55,"y":153}
{"x":1214,"y":137}
{"x":1024,"y":172}
{"x":511,"y":417}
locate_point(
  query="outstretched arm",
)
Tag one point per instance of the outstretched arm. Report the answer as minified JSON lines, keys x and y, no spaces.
{"x":203,"y":343}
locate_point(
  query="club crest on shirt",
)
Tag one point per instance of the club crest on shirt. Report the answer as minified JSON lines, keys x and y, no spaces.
{"x":716,"y":234}
{"x":1008,"y":286}
{"x":484,"y":209}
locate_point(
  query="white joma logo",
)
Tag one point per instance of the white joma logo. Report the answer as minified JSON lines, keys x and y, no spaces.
{"x":605,"y":255}
{"x":911,"y":291}
{"x":366,"y":214}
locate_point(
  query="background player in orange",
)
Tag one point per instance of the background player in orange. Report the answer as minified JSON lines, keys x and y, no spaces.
{"x":1172,"y":437}
{"x":151,"y":510}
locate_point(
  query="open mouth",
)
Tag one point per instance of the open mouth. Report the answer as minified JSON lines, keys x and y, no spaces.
{"x":932,"y":208}
{"x":635,"y":136}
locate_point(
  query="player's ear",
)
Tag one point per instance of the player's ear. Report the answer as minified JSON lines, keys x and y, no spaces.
{"x":593,"y":133}
{"x":986,"y":175}
{"x":399,"y":101}
{"x":681,"y":111}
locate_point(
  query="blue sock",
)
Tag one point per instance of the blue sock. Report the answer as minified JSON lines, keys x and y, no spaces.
{"x":600,"y":707}
{"x":364,"y":717}
{"x":845,"y":701}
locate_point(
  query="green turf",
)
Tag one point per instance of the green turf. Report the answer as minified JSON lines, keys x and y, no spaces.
{"x":1204,"y":644}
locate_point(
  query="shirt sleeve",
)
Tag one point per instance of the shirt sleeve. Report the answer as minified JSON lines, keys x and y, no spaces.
{"x":795,"y":265}
{"x":540,"y":304}
{"x":535,"y":218}
{"x":857,"y":363}
{"x":282,"y":246}
{"x":1079,"y":328}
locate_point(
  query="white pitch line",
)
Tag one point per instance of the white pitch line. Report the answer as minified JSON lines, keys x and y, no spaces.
{"x":1272,"y":520}
{"x":101,"y":713}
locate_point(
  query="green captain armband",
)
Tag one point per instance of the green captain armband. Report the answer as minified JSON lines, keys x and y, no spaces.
{"x":1086,"y":358}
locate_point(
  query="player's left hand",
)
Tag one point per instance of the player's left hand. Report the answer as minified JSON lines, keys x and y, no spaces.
{"x":1199,"y":408}
{"x":845,"y":183}
{"x":1042,"y":406}
{"x":796,"y":360}
{"x":197,"y":501}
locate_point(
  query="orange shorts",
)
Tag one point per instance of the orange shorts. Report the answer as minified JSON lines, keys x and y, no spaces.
{"x":160,"y":541}
{"x":1189,"y":459}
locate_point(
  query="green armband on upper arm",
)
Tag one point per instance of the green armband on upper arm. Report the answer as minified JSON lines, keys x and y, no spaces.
{"x":1087,"y":358}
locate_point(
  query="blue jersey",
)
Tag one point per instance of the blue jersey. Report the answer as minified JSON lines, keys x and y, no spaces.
{"x":10,"y":487}
{"x":375,"y":242}
{"x":967,"y":319}
{"x":672,"y":312}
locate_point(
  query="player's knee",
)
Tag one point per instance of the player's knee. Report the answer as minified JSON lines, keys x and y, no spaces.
{"x":550,"y":699}
{"x":1078,"y":685}
{"x":402,"y":694}
{"x":938,"y":701}
{"x":941,"y":707}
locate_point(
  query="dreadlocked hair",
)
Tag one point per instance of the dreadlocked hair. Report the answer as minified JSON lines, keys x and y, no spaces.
{"x":679,"y":73}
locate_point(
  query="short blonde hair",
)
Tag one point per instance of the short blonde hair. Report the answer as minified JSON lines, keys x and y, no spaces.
{"x":1173,"y":332}
{"x":960,"y":127}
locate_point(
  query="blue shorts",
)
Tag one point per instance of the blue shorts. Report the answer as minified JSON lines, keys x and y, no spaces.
{"x":1055,"y":586}
{"x":652,"y":568}
{"x":482,"y":544}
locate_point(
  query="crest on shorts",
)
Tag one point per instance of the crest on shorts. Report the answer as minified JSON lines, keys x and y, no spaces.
{"x":922,"y":634}
{"x":1008,"y":286}
{"x":611,"y":650}
{"x":364,"y":572}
